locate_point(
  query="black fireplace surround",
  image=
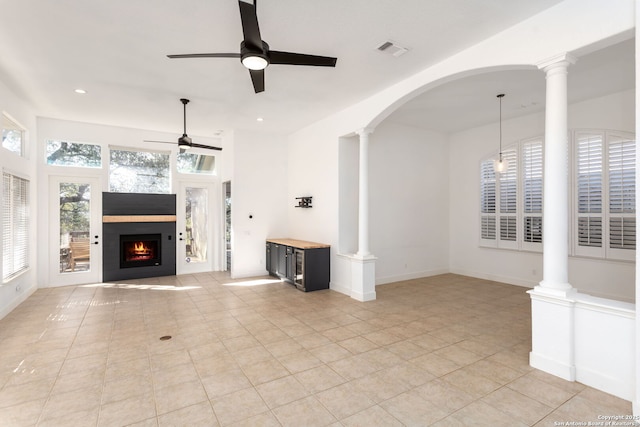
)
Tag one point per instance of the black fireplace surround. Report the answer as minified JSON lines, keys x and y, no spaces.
{"x":135,"y":249}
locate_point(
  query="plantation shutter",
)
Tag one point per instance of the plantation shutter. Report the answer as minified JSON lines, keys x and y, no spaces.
{"x":532,"y":184}
{"x":622,"y":200}
{"x":487,"y":201}
{"x":15,"y":225}
{"x":590,"y":189}
{"x":509,"y":197}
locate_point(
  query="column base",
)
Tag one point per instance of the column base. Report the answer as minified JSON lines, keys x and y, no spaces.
{"x":363,"y":277}
{"x":552,"y":332}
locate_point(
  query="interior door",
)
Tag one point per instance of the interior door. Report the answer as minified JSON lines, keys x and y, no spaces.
{"x":75,"y":243}
{"x":196,"y":223}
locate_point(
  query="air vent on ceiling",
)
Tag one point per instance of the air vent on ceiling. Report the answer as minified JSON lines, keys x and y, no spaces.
{"x":391,"y":48}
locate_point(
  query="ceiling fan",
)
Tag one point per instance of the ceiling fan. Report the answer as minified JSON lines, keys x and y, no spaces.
{"x":185,"y":142}
{"x":255,"y":53}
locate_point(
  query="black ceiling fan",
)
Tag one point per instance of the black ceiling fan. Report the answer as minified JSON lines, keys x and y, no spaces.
{"x":185,"y":142}
{"x":255,"y":53}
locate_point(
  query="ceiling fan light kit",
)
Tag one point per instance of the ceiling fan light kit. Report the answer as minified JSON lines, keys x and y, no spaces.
{"x":255,"y":54}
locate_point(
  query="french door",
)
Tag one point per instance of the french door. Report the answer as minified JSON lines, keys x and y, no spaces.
{"x":197,"y":247}
{"x":75,"y":236}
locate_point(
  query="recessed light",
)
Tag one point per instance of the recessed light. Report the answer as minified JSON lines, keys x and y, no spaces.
{"x":260,"y":119}
{"x":80,"y":91}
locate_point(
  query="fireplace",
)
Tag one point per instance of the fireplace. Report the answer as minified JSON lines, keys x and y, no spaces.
{"x":139,"y":236}
{"x":139,"y":250}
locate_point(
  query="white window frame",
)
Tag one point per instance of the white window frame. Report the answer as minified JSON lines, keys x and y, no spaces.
{"x":604,"y":251}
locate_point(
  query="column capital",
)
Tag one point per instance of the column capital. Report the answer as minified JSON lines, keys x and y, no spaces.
{"x":563,"y":59}
{"x":365,"y":131}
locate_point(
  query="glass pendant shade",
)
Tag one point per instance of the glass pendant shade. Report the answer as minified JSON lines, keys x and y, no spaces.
{"x":500,"y":165}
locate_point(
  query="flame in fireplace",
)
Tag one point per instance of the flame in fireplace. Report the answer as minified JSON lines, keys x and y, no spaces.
{"x":140,"y":248}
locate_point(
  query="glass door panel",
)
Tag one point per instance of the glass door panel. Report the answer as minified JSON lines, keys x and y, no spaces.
{"x":196,"y":244}
{"x":196,"y":236}
{"x":75,"y":211}
{"x":75,"y":226}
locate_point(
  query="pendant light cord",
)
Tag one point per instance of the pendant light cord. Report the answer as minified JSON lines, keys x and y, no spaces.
{"x":500,"y":96}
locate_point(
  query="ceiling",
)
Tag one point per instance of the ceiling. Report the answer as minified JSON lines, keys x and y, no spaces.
{"x":116,"y":50}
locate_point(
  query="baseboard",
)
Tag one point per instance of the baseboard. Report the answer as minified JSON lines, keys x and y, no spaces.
{"x":369,"y":296}
{"x":340,"y":288}
{"x":552,"y":367}
{"x":496,"y":278}
{"x":622,"y":388}
{"x":410,"y":276}
{"x":17,"y":301}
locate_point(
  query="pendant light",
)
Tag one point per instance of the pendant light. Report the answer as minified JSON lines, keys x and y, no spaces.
{"x":501,"y":165}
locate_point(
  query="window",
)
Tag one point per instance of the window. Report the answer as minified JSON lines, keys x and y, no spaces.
{"x":138,"y":172}
{"x":12,"y":136}
{"x":62,"y":153}
{"x":604,"y":217}
{"x":487,"y":203}
{"x":503,"y":224}
{"x":605,"y":195}
{"x":532,"y":185}
{"x":508,"y":209}
{"x":15,"y":226}
{"x":196,"y":163}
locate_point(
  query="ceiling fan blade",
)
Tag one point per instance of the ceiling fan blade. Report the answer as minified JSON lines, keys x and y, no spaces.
{"x":162,"y":142}
{"x":290,"y":58}
{"x":205,"y":55}
{"x":210,"y":147}
{"x":250,"y":28}
{"x":257,"y":77}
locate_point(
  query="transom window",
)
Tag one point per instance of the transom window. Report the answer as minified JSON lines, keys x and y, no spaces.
{"x":63,"y":153}
{"x":139,"y":172}
{"x":196,"y":163}
{"x":12,"y":136}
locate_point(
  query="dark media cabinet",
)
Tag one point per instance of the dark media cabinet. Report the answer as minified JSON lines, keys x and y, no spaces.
{"x":303,"y":264}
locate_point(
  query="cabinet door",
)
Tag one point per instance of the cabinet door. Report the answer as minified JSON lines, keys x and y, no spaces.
{"x":267,"y":259}
{"x":291,"y":263}
{"x":282,"y":260}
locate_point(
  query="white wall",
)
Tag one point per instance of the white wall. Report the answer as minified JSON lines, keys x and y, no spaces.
{"x":596,"y":277}
{"x":20,"y":287}
{"x":409,"y":199}
{"x":258,"y":188}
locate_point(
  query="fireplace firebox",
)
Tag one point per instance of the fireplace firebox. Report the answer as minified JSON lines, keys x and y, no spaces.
{"x":140,"y":250}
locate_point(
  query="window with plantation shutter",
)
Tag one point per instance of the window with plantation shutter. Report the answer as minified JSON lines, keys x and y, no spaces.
{"x":589,"y":163}
{"x":622,"y":194}
{"x":487,"y":203}
{"x":605,"y":224}
{"x":603,"y":217}
{"x":15,"y":226}
{"x":508,"y":209}
{"x":532,"y":186}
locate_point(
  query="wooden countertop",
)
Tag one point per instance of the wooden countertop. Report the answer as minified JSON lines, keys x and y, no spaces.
{"x":300,"y":244}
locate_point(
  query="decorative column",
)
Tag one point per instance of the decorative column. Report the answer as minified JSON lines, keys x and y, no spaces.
{"x":555,"y":220}
{"x":363,"y":263}
{"x":553,"y":301}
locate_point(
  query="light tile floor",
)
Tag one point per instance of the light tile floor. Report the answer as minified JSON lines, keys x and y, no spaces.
{"x":446,"y":351}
